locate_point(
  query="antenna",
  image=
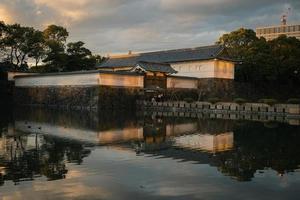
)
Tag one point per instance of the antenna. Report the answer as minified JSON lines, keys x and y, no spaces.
{"x":284,"y":17}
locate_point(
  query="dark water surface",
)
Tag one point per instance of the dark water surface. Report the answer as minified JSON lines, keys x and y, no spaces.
{"x":73,"y":155}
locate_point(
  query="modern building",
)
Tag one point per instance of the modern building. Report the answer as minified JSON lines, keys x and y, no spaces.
{"x":200,"y":62}
{"x":272,"y":32}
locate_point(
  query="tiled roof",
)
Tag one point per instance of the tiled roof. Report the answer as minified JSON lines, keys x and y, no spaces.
{"x":156,"y":67}
{"x":169,"y":56}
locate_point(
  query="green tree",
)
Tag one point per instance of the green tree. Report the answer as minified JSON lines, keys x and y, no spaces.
{"x":286,"y":55}
{"x":79,"y":57}
{"x":38,"y":47}
{"x":238,"y":42}
{"x":18,"y":43}
{"x":56,"y":33}
{"x":2,"y":29}
{"x":55,"y":39}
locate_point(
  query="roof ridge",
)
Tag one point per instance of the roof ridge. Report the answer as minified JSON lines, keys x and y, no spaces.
{"x":160,"y":63}
{"x":183,"y":49}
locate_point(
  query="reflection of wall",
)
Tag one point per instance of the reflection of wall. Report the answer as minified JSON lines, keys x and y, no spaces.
{"x":84,"y":135}
{"x":206,"y":142}
{"x":55,"y":130}
{"x":179,"y":129}
{"x":120,"y":135}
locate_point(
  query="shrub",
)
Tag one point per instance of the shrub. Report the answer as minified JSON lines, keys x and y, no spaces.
{"x":293,"y":101}
{"x":270,"y":102}
{"x":188,"y":100}
{"x":240,"y":101}
{"x":213,"y":100}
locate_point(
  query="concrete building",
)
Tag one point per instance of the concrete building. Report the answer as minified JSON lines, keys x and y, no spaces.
{"x":272,"y":32}
{"x":200,"y":62}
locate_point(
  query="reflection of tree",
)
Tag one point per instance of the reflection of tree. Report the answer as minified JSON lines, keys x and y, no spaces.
{"x":258,"y":148}
{"x":47,"y":158}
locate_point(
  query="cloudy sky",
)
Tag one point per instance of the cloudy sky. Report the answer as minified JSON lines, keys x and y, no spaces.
{"x":115,"y":26}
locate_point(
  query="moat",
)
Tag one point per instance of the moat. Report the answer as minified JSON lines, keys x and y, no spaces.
{"x":50,"y":154}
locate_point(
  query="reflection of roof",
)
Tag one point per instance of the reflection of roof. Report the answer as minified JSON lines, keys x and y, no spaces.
{"x":169,"y":56}
{"x":156,"y":67}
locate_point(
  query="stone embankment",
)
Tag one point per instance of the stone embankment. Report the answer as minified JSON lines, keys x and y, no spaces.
{"x":77,"y":98}
{"x":251,"y":111}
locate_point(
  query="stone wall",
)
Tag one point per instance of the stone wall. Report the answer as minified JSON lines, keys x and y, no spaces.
{"x":220,"y":88}
{"x":71,"y":97}
{"x":77,"y":97}
{"x":118,"y":97}
{"x":286,"y":113}
{"x":6,"y":89}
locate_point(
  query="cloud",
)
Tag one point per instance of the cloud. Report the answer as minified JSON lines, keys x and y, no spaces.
{"x":108,"y":26}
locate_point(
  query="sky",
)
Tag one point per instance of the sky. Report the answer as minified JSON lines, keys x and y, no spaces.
{"x":117,"y":26}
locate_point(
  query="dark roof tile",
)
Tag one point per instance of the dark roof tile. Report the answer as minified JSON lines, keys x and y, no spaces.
{"x":156,"y":67}
{"x":169,"y":56}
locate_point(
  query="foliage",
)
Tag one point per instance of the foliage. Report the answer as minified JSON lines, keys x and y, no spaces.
{"x":189,"y":100}
{"x":79,"y":57}
{"x":48,"y":49}
{"x":213,"y":100}
{"x":240,"y":101}
{"x":293,"y":101}
{"x":275,"y":62}
{"x":270,"y":102}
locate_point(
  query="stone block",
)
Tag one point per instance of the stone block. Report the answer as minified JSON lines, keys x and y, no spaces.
{"x":271,"y":109}
{"x":233,"y":116}
{"x":293,"y":109}
{"x":219,"y":107}
{"x":234,"y":107}
{"x":294,"y":122}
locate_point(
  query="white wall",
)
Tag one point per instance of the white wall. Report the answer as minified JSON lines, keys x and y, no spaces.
{"x":205,"y":69}
{"x":11,"y":75}
{"x":198,"y":69}
{"x":206,"y":142}
{"x":224,"y":69}
{"x":58,"y":80}
{"x":89,"y":79}
{"x":121,"y":80}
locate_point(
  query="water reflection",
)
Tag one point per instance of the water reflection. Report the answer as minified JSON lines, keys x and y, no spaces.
{"x":37,"y":143}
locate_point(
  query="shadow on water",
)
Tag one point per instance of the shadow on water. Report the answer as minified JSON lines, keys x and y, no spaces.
{"x":38,"y":143}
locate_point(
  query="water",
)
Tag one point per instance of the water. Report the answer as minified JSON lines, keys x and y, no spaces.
{"x":73,"y":155}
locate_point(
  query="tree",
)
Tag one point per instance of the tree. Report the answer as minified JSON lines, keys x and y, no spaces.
{"x":56,"y":33}
{"x":55,"y":56}
{"x":18,"y":43}
{"x":38,"y":50}
{"x":238,"y":42}
{"x":265,"y":64}
{"x":79,"y":57}
{"x":99,"y":59}
{"x":2,"y":47}
{"x":286,"y":55}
